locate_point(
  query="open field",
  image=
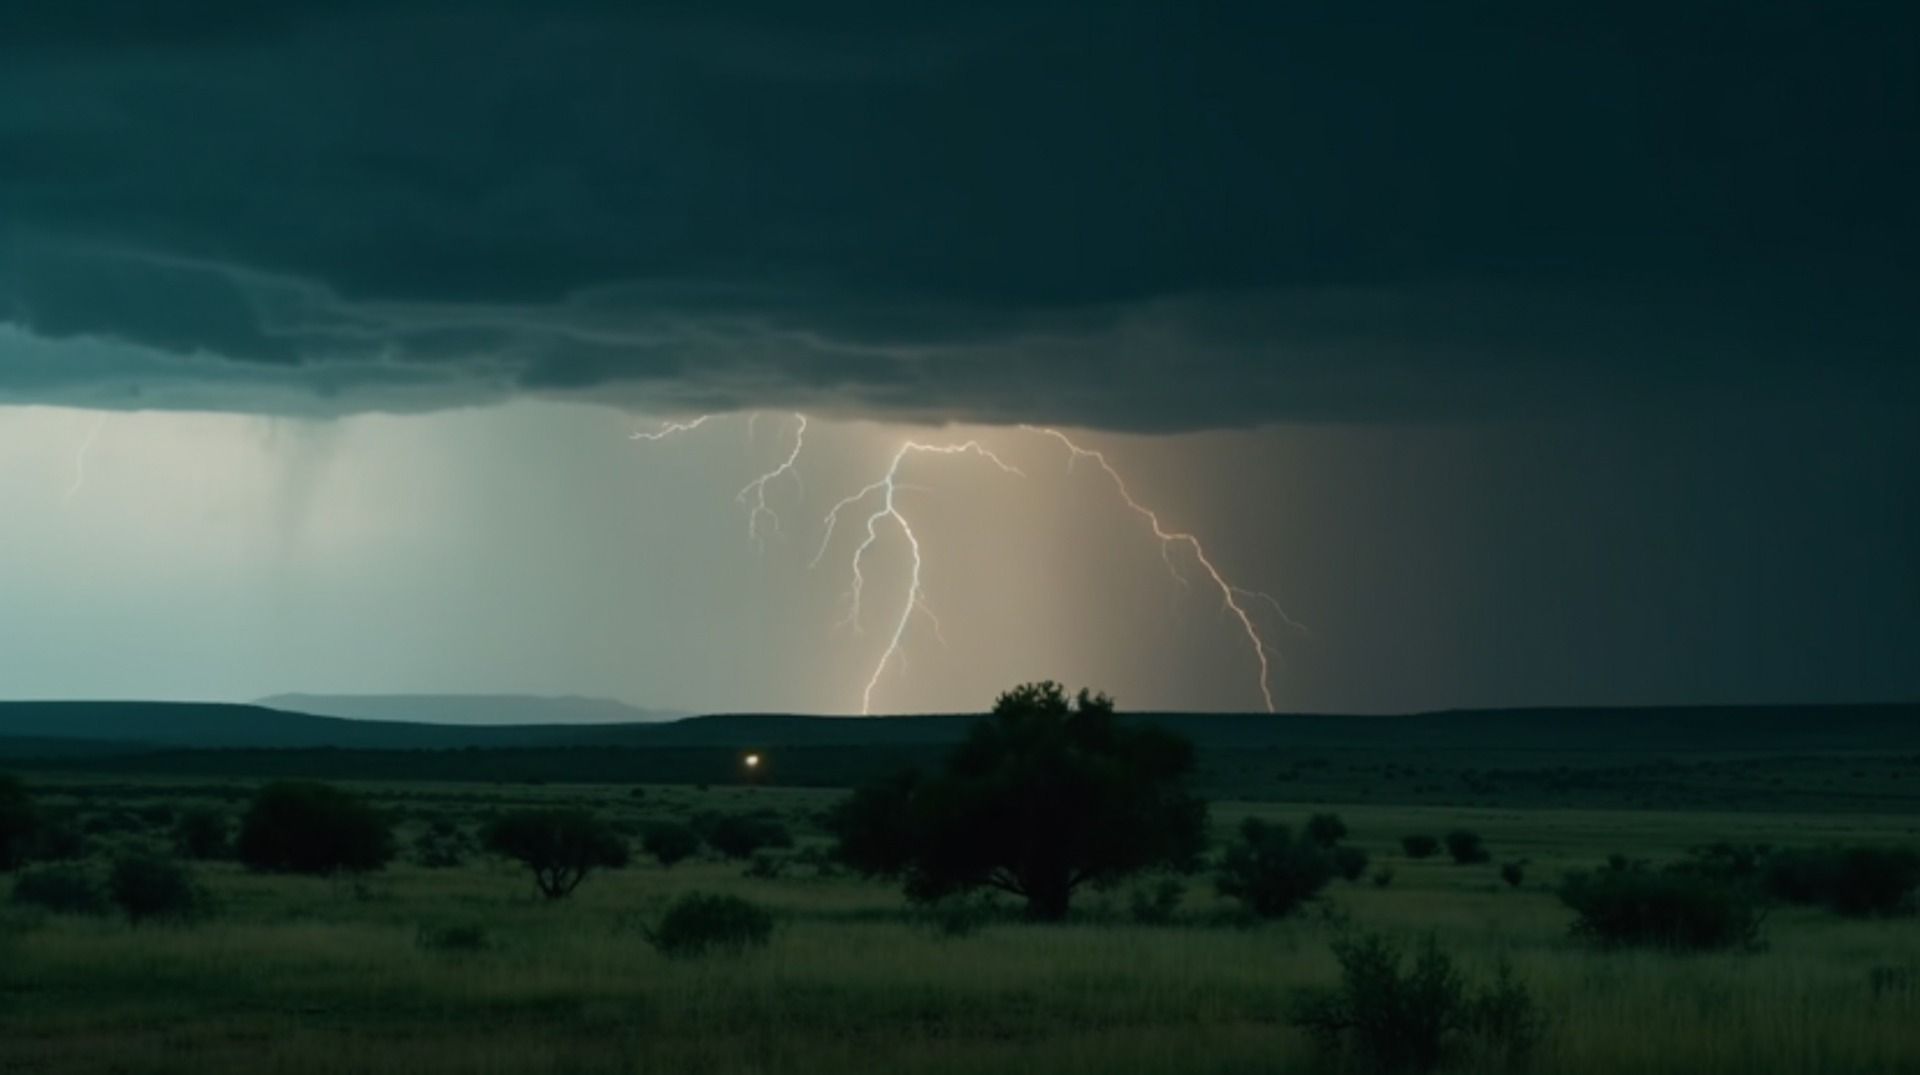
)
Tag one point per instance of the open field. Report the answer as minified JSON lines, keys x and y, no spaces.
{"x":314,"y":975}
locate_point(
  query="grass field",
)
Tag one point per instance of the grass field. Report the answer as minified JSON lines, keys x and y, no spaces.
{"x":316,"y":975}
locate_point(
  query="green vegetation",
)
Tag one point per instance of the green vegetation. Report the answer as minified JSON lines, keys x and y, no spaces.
{"x":1046,"y":795}
{"x":16,"y":823}
{"x":1389,"y":1020}
{"x":700,"y":923}
{"x":302,"y":827}
{"x":783,"y":963}
{"x":561,"y":847}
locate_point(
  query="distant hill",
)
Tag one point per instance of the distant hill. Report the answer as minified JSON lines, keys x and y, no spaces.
{"x":469,"y":709}
{"x":1839,"y":758}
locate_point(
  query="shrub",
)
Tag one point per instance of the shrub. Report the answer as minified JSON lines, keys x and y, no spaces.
{"x":302,"y":827}
{"x":1349,"y":862}
{"x":1155,"y":905}
{"x":201,"y":833}
{"x":765,"y":866}
{"x":697,"y":924}
{"x":443,"y":845}
{"x":1673,"y":909}
{"x":16,"y":823}
{"x":1383,"y":877}
{"x":1326,"y":830}
{"x":1391,"y":1020}
{"x":1466,"y":847}
{"x":670,"y":842}
{"x":1419,"y":846}
{"x":1513,"y":873}
{"x":1270,"y":872}
{"x":960,"y":915}
{"x":561,"y":847}
{"x":464,"y":937}
{"x":1854,"y":881}
{"x":738,"y":836}
{"x":61,"y":889}
{"x":57,"y":840}
{"x":147,"y":887}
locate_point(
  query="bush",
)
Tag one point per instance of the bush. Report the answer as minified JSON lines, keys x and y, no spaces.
{"x":1854,"y":881}
{"x":1270,"y":872}
{"x":60,"y":889}
{"x":1466,"y":847}
{"x":765,"y":866}
{"x":1672,"y":909}
{"x":201,"y":833}
{"x":1419,"y":846}
{"x":1326,"y":830}
{"x":1413,"y":1021}
{"x":1513,"y":873}
{"x":465,"y":937}
{"x":670,"y":842}
{"x":148,"y":887}
{"x":301,"y":827}
{"x":1349,"y":862}
{"x":442,"y":846}
{"x":57,"y":840}
{"x":738,"y":836}
{"x":1383,"y":877}
{"x":561,"y":847}
{"x":1156,"y":905}
{"x":697,"y":924}
{"x":16,"y":823}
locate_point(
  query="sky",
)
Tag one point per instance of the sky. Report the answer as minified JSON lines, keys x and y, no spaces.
{"x":1492,"y":354}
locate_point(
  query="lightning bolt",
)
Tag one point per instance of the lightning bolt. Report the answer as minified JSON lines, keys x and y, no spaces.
{"x":670,"y":429}
{"x":758,"y":486}
{"x":889,"y":511}
{"x":80,"y":459}
{"x":1230,"y":594}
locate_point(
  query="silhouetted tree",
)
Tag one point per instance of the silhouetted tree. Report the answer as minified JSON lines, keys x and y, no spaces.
{"x":1419,"y":845}
{"x":297,"y":826}
{"x":148,"y":886}
{"x":560,"y":846}
{"x":1045,"y":795}
{"x":16,"y":823}
{"x":1467,"y":848}
{"x":739,"y":836}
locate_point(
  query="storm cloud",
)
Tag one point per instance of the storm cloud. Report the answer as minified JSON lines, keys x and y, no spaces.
{"x":1128,"y":216}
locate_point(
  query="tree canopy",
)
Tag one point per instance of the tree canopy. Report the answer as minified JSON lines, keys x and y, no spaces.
{"x":561,"y":847}
{"x":1046,"y":794}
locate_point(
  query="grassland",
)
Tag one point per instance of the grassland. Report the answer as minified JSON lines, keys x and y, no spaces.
{"x":304,"y":975}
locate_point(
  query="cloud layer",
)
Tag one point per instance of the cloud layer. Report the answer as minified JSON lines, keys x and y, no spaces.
{"x":1131,"y":217}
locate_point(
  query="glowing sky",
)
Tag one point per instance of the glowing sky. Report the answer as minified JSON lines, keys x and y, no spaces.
{"x":1527,"y":353}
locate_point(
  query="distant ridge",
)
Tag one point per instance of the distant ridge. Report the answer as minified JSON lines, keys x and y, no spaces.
{"x":469,"y":709}
{"x":137,"y":726}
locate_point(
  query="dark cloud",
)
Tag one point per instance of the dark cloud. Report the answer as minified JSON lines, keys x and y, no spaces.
{"x":1149,"y":216}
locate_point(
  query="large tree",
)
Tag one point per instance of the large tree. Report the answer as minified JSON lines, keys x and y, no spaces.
{"x":1047,"y":794}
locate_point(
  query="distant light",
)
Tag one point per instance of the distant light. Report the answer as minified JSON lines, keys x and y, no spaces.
{"x":753,"y":761}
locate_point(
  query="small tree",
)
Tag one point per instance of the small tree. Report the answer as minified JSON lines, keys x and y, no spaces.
{"x":1045,"y":795}
{"x":16,"y":823}
{"x":297,"y":826}
{"x":1419,"y":845}
{"x":201,"y":833}
{"x":442,"y":845}
{"x":1466,"y":848}
{"x":1513,"y":873}
{"x":560,"y":846}
{"x":1326,"y":830}
{"x":148,"y":887}
{"x":670,"y":842}
{"x":1271,"y":872}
